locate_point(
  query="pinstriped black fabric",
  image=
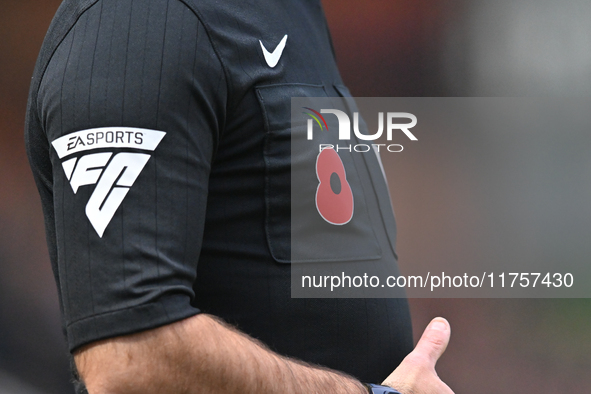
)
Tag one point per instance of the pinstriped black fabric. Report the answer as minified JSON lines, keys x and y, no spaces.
{"x":125,"y":63}
{"x":190,"y":235}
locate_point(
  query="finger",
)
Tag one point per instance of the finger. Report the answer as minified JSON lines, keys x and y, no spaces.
{"x":434,"y":340}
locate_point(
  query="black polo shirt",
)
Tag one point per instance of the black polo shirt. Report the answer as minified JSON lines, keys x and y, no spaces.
{"x":149,"y":137}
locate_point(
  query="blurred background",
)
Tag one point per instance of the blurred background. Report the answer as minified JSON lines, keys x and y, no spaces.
{"x":384,"y":48}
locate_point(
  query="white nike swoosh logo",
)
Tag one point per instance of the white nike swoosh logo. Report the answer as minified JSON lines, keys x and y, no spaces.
{"x":272,"y":58}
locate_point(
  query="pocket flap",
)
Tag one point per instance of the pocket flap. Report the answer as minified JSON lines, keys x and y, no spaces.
{"x":296,"y":230}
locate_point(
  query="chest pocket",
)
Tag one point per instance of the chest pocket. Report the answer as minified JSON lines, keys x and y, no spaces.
{"x":296,"y":232}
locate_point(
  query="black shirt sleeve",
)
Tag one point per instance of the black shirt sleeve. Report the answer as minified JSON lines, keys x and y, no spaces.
{"x":125,"y":111}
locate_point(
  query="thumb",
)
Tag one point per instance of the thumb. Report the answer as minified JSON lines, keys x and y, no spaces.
{"x":434,"y":340}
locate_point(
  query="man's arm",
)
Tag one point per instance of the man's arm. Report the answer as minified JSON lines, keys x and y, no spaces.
{"x":203,"y":355}
{"x":199,"y":355}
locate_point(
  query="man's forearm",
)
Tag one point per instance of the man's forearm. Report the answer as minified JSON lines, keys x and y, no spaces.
{"x":199,"y":355}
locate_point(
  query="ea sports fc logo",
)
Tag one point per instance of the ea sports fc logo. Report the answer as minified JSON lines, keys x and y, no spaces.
{"x":113,"y":173}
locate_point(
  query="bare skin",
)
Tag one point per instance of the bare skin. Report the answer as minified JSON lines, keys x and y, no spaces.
{"x":203,"y":355}
{"x":416,"y":373}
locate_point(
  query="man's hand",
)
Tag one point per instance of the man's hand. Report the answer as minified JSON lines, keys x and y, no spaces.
{"x":416,"y":374}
